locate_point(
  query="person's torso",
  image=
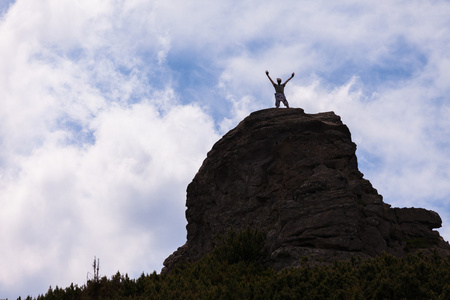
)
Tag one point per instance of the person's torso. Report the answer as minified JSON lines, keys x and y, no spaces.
{"x":279,"y":88}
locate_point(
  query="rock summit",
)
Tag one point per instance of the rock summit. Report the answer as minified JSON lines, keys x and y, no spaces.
{"x":294,"y":176}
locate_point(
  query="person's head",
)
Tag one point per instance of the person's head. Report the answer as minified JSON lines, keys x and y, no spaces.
{"x":279,"y":80}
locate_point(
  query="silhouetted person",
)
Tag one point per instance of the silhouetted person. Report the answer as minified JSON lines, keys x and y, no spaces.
{"x":279,"y":90}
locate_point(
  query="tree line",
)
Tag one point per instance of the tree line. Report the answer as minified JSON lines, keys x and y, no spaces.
{"x":234,"y":270}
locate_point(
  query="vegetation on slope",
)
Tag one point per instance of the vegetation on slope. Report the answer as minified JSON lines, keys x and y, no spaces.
{"x":234,"y":271}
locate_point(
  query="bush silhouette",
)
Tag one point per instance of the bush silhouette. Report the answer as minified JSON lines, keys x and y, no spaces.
{"x":233,"y":270}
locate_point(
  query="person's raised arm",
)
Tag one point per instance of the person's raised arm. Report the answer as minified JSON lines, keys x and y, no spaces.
{"x":289,"y":78}
{"x":267,"y":73}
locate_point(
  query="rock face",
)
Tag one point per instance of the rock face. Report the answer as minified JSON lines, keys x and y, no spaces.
{"x":294,"y":176}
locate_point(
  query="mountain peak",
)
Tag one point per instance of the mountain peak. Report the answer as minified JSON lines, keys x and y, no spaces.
{"x":294,"y":176}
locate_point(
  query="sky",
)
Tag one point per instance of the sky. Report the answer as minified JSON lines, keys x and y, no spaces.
{"x":109,"y":107}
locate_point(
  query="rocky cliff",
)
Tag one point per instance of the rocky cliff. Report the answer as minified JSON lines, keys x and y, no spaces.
{"x":294,"y":176}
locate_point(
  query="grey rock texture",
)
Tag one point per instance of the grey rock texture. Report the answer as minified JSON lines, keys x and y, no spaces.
{"x":295,"y":177}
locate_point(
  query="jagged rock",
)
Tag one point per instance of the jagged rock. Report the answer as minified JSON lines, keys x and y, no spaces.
{"x":295,"y":177}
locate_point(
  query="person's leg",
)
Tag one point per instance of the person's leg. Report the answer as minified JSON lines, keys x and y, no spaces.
{"x":277,"y":101}
{"x":282,"y":97}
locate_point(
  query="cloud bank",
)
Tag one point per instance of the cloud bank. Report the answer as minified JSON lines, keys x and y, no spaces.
{"x":108,"y":108}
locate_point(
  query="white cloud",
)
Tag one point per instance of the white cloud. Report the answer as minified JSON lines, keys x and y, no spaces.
{"x":94,"y":161}
{"x":118,"y":198}
{"x":105,"y":114}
